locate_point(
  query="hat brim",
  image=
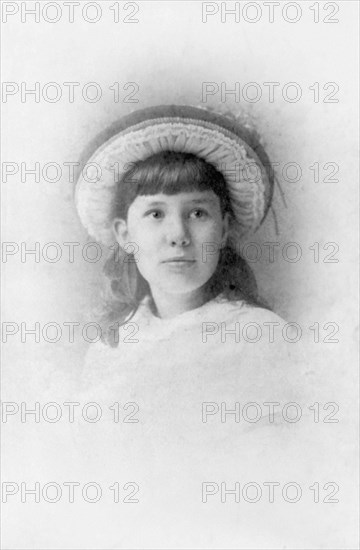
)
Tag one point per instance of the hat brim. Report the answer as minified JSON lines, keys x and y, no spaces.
{"x":216,"y":138}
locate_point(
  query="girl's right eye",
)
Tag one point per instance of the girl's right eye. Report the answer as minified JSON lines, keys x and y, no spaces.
{"x":154,"y":214}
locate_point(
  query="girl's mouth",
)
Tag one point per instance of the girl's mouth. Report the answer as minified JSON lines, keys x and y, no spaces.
{"x":179,"y":263}
{"x":178,"y":259}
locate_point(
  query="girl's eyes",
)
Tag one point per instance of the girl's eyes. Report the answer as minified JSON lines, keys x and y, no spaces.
{"x":155,"y":214}
{"x":158,"y":214}
{"x":198,"y":213}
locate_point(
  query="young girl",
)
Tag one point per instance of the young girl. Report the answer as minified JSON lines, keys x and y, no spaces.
{"x":192,"y":364}
{"x":173,"y":210}
{"x":188,"y":185}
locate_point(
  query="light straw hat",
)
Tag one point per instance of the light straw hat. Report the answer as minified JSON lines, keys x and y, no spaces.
{"x":217,"y":138}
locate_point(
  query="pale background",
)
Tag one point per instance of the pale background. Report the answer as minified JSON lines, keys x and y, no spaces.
{"x":169,"y":53}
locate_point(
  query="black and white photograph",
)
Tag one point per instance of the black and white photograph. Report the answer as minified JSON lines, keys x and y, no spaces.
{"x":179,"y":255}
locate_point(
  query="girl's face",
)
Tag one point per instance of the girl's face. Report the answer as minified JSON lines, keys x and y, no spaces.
{"x":176,"y":239}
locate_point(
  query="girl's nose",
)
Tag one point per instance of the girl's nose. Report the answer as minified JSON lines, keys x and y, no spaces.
{"x":177,"y":234}
{"x":180,"y":241}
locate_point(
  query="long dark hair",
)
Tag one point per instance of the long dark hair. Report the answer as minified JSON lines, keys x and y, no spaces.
{"x":170,"y":173}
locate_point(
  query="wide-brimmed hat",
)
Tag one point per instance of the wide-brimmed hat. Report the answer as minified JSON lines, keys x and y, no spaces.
{"x":217,"y":138}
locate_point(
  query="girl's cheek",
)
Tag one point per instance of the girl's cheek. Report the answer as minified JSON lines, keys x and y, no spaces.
{"x":210,"y":233}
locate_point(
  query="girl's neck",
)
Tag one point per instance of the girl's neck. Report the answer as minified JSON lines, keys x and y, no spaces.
{"x":168,"y":305}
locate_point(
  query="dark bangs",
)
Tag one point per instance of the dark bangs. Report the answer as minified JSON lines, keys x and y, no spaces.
{"x":169,"y":172}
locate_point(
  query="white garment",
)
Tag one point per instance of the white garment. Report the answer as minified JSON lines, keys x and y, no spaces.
{"x":218,"y":347}
{"x":182,"y":389}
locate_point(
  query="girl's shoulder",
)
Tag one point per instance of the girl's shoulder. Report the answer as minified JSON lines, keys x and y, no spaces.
{"x":242,"y":311}
{"x":238,"y":323}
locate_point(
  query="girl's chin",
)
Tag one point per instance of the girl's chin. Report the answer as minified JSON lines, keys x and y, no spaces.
{"x":177,"y":284}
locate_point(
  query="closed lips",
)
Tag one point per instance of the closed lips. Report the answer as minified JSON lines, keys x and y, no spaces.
{"x":178,"y":260}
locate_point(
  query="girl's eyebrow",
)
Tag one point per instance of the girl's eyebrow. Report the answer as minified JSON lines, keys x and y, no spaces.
{"x":154,"y":203}
{"x":202,"y":201}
